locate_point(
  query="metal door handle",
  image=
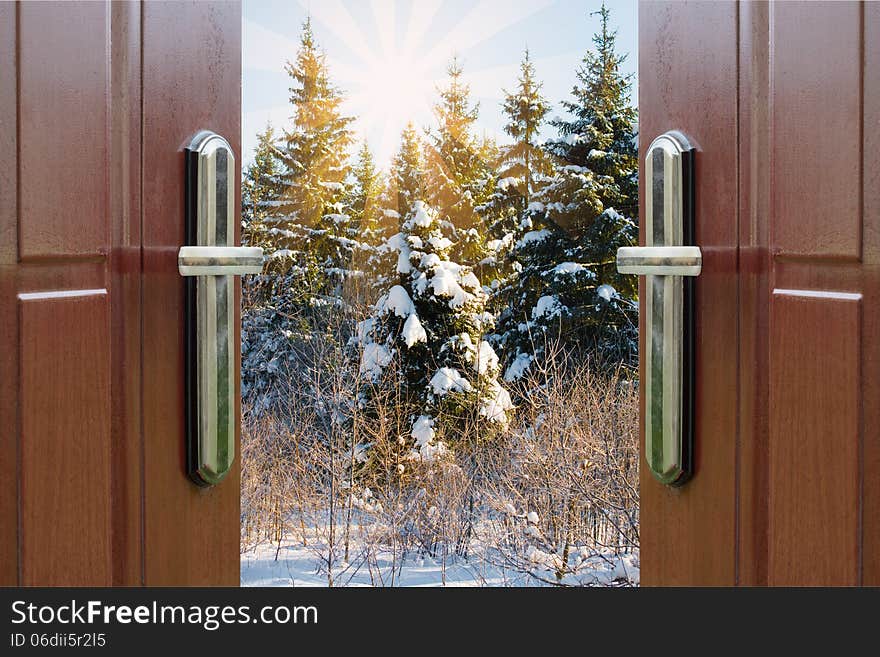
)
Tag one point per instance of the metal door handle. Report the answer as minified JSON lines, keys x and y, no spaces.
{"x":660,"y":260}
{"x":208,"y":262}
{"x":219,"y":260}
{"x":670,"y":262}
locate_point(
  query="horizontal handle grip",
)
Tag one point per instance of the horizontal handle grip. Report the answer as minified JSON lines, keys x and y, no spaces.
{"x":660,"y":260}
{"x":219,"y":260}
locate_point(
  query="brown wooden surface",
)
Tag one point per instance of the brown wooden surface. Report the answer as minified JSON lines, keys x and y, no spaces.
{"x":871,"y":292}
{"x":125,"y":281}
{"x":752,"y":461}
{"x":55,"y":297}
{"x":8,"y":302}
{"x":65,"y":438}
{"x":92,"y":485}
{"x":687,"y":80}
{"x":813,"y":479}
{"x":801,"y":457}
{"x":63,"y":121}
{"x":822,"y":281}
{"x":815,"y":73}
{"x":191,"y":82}
{"x":817,"y":280}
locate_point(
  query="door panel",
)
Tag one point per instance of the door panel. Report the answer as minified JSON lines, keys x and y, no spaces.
{"x":823,"y":282}
{"x":65,"y":437}
{"x":687,"y":533}
{"x":814,"y":437}
{"x":8,"y":301}
{"x":190,"y":84}
{"x":97,"y":101}
{"x":56,"y":296}
{"x":815,"y":117}
{"x":125,"y":282}
{"x":787,"y":320}
{"x":63,"y":116}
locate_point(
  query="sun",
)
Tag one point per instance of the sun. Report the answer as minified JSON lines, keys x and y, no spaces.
{"x":394,"y":89}
{"x":398,"y":88}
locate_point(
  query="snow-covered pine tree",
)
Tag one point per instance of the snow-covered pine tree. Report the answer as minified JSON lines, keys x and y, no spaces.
{"x":367,"y":222}
{"x":568,"y":286}
{"x":599,"y":137}
{"x":366,"y":191}
{"x":260,"y":187}
{"x":406,"y":181}
{"x":521,"y":167}
{"x":459,"y":165}
{"x":306,"y":230}
{"x":312,"y":215}
{"x":524,"y":160}
{"x":267,"y":298}
{"x":261,"y":191}
{"x":426,"y":335}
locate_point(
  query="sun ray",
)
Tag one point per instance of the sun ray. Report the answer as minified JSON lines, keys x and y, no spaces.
{"x":481,"y":23}
{"x":264,"y":49}
{"x":387,"y":143}
{"x":491,"y":80}
{"x":421,"y":15}
{"x":335,"y":17}
{"x":343,"y":74}
{"x":385,"y":16}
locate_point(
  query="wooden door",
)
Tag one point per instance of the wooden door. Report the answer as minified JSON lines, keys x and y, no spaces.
{"x":97,"y":102}
{"x":783,"y":103}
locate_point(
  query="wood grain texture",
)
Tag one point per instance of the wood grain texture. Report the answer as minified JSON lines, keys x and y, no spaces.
{"x":687,"y":81}
{"x":74,"y":459}
{"x":63,"y":97}
{"x":806,"y":373}
{"x":189,"y":84}
{"x":816,"y":114}
{"x":838,"y":253}
{"x":125,"y":283}
{"x":54,"y":360}
{"x":8,"y":302}
{"x":754,"y":290}
{"x":807,"y":226}
{"x":65,"y":438}
{"x":870,"y":276}
{"x":815,"y":394}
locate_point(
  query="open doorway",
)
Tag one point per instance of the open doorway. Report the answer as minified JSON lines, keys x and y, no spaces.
{"x":439,"y":362}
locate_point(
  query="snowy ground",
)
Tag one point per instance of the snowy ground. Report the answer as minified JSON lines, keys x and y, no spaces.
{"x":296,"y":565}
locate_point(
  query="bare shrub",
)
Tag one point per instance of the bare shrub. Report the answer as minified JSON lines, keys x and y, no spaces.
{"x":546,"y":498}
{"x":569,"y":491}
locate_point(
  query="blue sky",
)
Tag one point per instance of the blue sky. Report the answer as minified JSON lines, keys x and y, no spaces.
{"x":389,"y":55}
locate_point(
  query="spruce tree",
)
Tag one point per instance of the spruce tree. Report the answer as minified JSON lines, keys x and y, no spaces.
{"x":598,"y":142}
{"x":458,"y":167}
{"x":260,"y":190}
{"x":568,"y":286}
{"x":406,"y":181}
{"x":521,"y":167}
{"x":526,"y":110}
{"x":426,"y":335}
{"x":312,"y":213}
{"x":365,"y":205}
{"x":305,"y":227}
{"x":368,"y":228}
